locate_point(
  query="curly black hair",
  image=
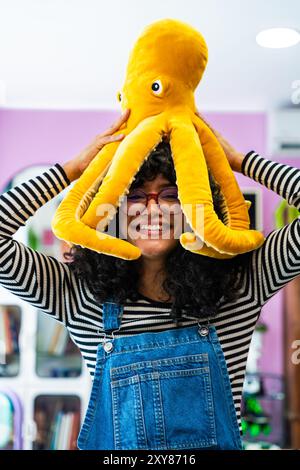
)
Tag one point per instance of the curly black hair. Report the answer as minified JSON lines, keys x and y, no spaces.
{"x":198,"y":284}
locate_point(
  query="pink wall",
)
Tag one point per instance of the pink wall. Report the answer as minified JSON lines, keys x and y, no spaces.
{"x":30,"y":137}
{"x":33,"y":137}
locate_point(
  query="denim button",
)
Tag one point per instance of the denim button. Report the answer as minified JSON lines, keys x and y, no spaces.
{"x":108,"y":346}
{"x":203,"y":331}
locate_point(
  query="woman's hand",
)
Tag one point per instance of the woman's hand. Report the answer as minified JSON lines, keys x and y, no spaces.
{"x":234,"y":157}
{"x":75,"y":167}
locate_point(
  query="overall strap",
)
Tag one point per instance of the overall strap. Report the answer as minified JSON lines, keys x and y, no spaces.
{"x":112,"y":315}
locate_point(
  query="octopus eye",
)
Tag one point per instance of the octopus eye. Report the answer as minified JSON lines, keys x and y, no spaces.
{"x":120,"y":96}
{"x":157,"y":87}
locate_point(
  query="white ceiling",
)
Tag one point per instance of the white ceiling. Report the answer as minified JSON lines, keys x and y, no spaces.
{"x":72,"y":54}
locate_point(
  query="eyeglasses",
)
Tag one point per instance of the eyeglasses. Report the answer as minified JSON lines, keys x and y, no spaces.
{"x":167,"y":199}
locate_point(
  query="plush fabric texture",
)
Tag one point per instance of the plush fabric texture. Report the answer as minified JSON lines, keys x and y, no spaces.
{"x":164,"y":69}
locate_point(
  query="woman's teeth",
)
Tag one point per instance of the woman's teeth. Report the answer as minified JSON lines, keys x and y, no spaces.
{"x":154,"y":229}
{"x":151,"y":227}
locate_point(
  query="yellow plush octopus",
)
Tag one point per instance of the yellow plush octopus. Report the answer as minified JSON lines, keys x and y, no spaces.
{"x":164,"y":69}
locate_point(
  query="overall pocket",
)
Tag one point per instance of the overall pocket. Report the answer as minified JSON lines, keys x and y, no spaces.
{"x":163,"y":404}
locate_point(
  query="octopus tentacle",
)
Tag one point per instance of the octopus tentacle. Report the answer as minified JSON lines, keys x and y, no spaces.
{"x":237,"y":209}
{"x":127,"y":160}
{"x":196,"y":198}
{"x":66,"y":223}
{"x":130,"y":156}
{"x":211,"y":148}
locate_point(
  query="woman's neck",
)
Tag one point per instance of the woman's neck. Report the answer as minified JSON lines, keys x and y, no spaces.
{"x":151,"y":277}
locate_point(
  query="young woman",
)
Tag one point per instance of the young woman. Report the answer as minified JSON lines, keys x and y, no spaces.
{"x":165,"y":337}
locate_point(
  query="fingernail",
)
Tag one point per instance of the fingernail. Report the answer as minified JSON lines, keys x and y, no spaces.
{"x":120,"y":136}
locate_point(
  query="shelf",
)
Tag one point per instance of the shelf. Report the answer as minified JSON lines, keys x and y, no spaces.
{"x":56,"y":354}
{"x":263,"y":409}
{"x":11,"y":420}
{"x":57,"y":419}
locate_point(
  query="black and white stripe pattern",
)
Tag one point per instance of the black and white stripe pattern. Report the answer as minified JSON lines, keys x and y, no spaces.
{"x":50,"y":285}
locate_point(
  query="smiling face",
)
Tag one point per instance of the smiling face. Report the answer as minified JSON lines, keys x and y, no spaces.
{"x":154,"y":229}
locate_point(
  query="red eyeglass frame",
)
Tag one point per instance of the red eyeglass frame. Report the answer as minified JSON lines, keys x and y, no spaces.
{"x":154,"y":195}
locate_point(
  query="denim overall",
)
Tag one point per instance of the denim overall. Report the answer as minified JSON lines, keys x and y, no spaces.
{"x":159,"y":390}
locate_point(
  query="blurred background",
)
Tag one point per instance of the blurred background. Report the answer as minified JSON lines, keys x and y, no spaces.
{"x":61,"y":65}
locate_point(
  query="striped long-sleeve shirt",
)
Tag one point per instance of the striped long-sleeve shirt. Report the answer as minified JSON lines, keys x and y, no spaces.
{"x":52,"y":286}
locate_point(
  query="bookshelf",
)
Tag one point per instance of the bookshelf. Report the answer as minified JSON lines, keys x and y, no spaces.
{"x":39,"y":392}
{"x":44,"y":383}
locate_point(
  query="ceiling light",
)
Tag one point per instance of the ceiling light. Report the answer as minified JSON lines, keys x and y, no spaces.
{"x":278,"y":37}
